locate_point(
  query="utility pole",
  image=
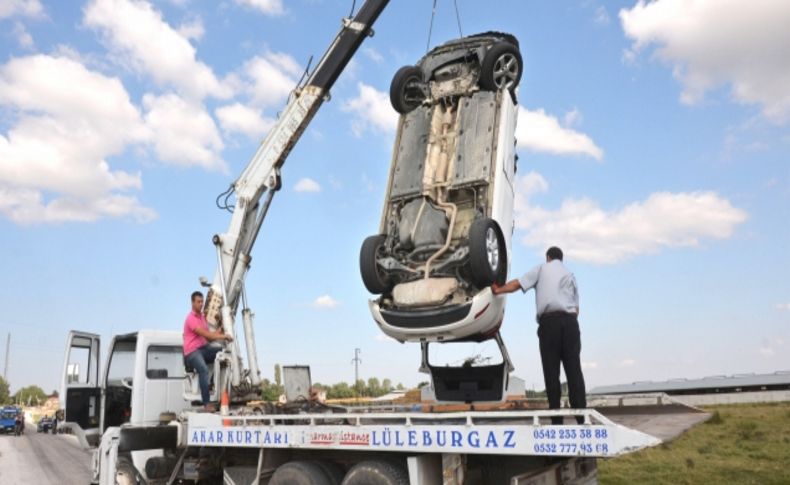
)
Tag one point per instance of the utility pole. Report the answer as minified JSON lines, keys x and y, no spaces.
{"x":7,"y":348}
{"x":356,"y":361}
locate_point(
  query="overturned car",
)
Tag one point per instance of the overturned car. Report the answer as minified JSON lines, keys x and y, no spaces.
{"x":448,"y":214}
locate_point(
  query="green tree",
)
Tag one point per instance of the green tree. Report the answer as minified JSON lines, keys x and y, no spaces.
{"x":341,"y":390}
{"x":271,"y":391}
{"x":5,"y":394}
{"x":386,"y":385}
{"x":400,"y":387}
{"x":30,"y":396}
{"x":277,"y":375}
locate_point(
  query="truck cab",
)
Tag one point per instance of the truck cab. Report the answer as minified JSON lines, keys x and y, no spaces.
{"x":143,"y":377}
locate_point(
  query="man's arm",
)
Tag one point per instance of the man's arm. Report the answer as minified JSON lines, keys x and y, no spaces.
{"x":211,"y":335}
{"x":509,"y":287}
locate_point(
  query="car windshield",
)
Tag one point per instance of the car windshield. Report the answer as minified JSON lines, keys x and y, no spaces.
{"x":9,"y":415}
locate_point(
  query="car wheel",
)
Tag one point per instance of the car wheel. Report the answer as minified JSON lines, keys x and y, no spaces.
{"x":501,"y":67}
{"x":487,"y":253}
{"x":375,"y":472}
{"x":406,"y":89}
{"x":375,"y":281}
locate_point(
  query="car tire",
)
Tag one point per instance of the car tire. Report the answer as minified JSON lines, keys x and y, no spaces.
{"x":487,"y":253}
{"x":501,"y":67}
{"x":376,"y":472}
{"x":376,"y":282}
{"x":299,"y":473}
{"x":405,"y":92}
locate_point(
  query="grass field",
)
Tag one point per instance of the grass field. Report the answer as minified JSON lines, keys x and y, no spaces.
{"x":741,"y":443}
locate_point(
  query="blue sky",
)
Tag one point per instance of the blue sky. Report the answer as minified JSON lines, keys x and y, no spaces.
{"x":653,"y":140}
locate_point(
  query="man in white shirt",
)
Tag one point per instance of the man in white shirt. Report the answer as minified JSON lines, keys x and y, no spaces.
{"x":557,"y":308}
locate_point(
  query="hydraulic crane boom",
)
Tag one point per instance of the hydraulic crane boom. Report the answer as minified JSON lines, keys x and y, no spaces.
{"x":262,"y":177}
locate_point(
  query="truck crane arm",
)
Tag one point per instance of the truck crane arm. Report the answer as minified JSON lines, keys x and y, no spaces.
{"x":261,"y":177}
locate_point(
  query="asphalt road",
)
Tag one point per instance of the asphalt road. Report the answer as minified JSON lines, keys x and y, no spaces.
{"x":43,"y":459}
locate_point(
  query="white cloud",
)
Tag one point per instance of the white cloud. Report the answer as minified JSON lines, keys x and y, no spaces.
{"x":268,"y":7}
{"x":373,"y":54}
{"x":192,"y":29}
{"x":183,"y":133}
{"x":243,"y":119}
{"x":627,"y":362}
{"x":273,"y":75}
{"x":766,"y":351}
{"x":138,"y":32}
{"x":307,"y":185}
{"x":588,"y":233}
{"x":53,"y":160}
{"x":710,"y":43}
{"x":602,"y":16}
{"x":23,"y":37}
{"x":783,"y":306}
{"x":589,"y":365}
{"x":372,"y":110}
{"x":542,"y":132}
{"x":27,"y":8}
{"x":325,"y":301}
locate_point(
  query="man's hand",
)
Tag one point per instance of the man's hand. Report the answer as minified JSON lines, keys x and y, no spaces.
{"x":228,"y":337}
{"x":495,"y":288}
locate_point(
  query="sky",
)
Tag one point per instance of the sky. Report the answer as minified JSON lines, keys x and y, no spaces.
{"x":653,"y":141}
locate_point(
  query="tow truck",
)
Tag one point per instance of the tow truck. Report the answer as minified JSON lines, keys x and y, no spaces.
{"x":138,"y":415}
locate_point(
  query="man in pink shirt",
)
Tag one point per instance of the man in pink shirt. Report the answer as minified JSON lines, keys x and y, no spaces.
{"x":197,"y":353}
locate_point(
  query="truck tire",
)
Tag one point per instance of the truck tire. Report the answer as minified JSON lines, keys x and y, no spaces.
{"x":487,"y":253}
{"x":299,"y":473}
{"x":376,"y":282}
{"x":501,"y":68}
{"x":405,"y":89}
{"x":375,"y":472}
{"x":332,"y":471}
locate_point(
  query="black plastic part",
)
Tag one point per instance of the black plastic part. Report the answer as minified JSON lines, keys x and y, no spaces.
{"x":78,"y":406}
{"x":434,"y":317}
{"x":468,"y":384}
{"x":376,"y":282}
{"x":160,"y":466}
{"x":147,"y":438}
{"x":345,"y":45}
{"x":377,"y":472}
{"x":404,"y":95}
{"x":487,"y":67}
{"x":299,"y":473}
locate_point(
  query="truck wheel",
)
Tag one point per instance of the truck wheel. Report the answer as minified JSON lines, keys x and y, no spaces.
{"x":299,"y":473}
{"x":406,"y":89}
{"x":332,"y":471}
{"x":376,"y":472}
{"x":501,"y":67}
{"x":375,"y":281}
{"x":487,"y":253}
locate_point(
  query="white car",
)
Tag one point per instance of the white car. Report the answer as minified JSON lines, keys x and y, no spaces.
{"x":448,"y":215}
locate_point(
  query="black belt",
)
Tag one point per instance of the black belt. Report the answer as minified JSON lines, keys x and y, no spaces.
{"x":556,"y":314}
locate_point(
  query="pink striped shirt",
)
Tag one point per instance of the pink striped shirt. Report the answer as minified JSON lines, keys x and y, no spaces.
{"x":193,"y":341}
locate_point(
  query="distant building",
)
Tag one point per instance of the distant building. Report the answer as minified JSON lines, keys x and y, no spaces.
{"x":712,"y":390}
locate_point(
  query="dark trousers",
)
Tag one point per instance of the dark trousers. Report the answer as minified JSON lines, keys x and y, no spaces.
{"x":199,"y":360}
{"x":560,"y":342}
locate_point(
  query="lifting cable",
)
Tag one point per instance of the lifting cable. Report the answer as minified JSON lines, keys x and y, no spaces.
{"x":353,"y":4}
{"x":430,"y":26}
{"x":433,"y":15}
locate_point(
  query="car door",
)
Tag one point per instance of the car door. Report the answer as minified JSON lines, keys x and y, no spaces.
{"x":79,"y":387}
